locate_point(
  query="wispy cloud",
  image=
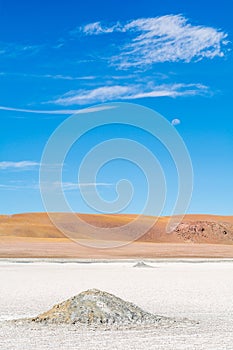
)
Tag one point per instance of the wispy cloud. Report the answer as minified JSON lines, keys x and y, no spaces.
{"x":66,"y":186}
{"x":57,"y":112}
{"x":65,"y":77}
{"x":12,"y":50}
{"x":97,"y":28}
{"x":19,"y":186}
{"x":22,"y":165}
{"x":129,"y":92}
{"x":28,"y":165}
{"x":168,"y":38}
{"x":10,"y":187}
{"x":70,"y":186}
{"x":48,"y":76}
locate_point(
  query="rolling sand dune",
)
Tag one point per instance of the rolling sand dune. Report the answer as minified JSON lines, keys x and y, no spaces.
{"x":34,"y":235}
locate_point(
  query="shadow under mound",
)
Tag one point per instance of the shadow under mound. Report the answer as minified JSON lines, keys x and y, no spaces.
{"x":97,"y":309}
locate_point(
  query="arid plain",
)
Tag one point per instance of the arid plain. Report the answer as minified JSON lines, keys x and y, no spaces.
{"x":194,"y":288}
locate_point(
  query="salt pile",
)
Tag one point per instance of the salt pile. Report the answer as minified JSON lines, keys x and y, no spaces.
{"x":97,"y":308}
{"x":141,"y":264}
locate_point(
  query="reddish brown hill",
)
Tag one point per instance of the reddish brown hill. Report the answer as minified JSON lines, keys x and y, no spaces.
{"x":206,"y":229}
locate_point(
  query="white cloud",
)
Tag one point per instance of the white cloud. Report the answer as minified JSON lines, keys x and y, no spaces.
{"x":69,"y":186}
{"x":22,"y":165}
{"x":13,"y":50}
{"x":97,"y":28}
{"x":168,"y":38}
{"x":66,"y":186}
{"x":58,"y":112}
{"x":13,"y":186}
{"x":9,"y":187}
{"x":100,"y":94}
{"x":63,"y":77}
{"x":129,"y":92}
{"x":49,"y":76}
{"x":175,"y":122}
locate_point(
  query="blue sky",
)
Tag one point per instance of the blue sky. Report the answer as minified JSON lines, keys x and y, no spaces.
{"x":173,"y":57}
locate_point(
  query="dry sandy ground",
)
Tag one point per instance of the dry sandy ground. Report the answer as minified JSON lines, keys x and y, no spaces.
{"x":64,"y":248}
{"x":199,"y":290}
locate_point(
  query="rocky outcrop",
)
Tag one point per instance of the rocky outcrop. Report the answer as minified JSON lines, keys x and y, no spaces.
{"x":201,"y":231}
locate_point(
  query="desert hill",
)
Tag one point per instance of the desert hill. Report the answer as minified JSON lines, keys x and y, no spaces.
{"x":34,"y":235}
{"x":194,"y":228}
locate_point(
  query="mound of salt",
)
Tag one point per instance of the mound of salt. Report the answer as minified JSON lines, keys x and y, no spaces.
{"x":142,"y":264}
{"x":95,"y":307}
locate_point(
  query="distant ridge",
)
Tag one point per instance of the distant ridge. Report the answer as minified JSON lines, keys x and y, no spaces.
{"x":208,"y":229}
{"x":33,"y":235}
